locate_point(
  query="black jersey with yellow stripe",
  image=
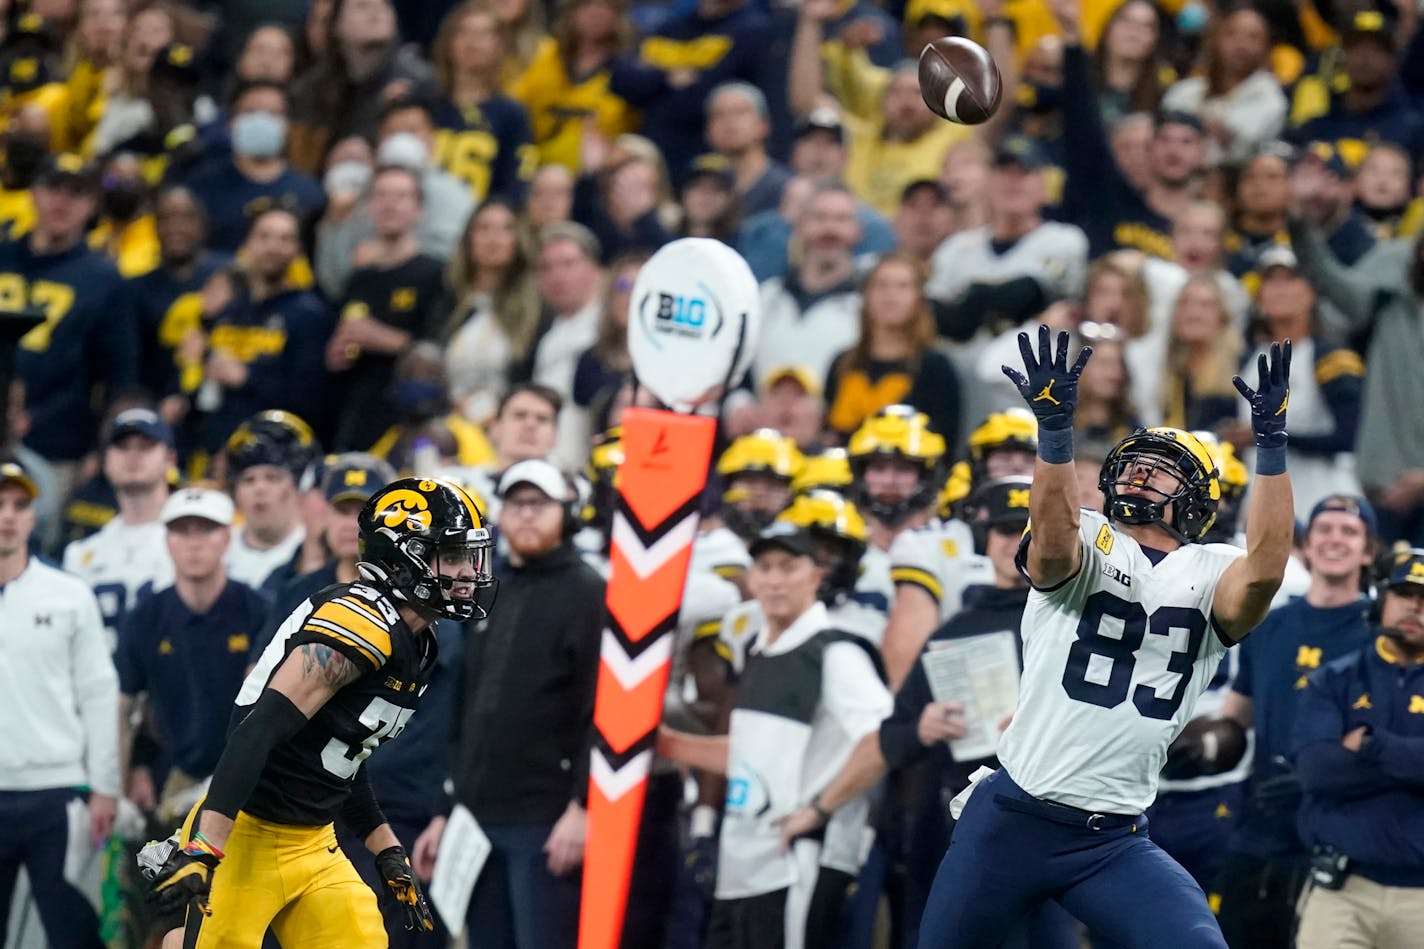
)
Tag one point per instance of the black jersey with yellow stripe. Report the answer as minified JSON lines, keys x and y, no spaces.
{"x":307,"y":778}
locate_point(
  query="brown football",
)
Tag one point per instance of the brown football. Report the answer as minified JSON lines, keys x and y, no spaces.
{"x":959,"y":80}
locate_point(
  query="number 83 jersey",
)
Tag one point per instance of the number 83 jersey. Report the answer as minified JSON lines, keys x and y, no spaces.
{"x":1115,"y":659}
{"x":307,"y":778}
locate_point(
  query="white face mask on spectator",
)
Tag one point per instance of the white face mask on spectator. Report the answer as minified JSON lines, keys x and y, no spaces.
{"x":259,"y":134}
{"x":405,"y":150}
{"x":347,"y":177}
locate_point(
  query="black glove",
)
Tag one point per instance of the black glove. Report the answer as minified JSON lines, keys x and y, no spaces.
{"x":1271,"y":396}
{"x":185,"y":880}
{"x":395,"y":870}
{"x":1278,"y":791}
{"x":700,"y":865}
{"x":1047,"y":384}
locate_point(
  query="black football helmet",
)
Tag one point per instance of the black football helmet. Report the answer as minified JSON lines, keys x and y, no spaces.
{"x":409,"y":528}
{"x":1195,"y":500}
{"x":274,"y":438}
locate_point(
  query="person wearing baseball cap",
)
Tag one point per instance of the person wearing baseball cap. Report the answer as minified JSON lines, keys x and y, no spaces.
{"x":72,"y":364}
{"x":130,"y":551}
{"x":1266,"y":861}
{"x":1356,"y":748}
{"x":59,"y":698}
{"x":344,"y":484}
{"x":528,"y":683}
{"x":185,"y":647}
{"x":809,"y":694}
{"x":1373,"y":105}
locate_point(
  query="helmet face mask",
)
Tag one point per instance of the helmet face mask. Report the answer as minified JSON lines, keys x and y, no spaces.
{"x":1186,"y":511}
{"x":901,"y":434}
{"x":424,"y":540}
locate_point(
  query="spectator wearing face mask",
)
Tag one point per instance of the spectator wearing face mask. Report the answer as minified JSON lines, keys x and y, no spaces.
{"x":257,"y":176}
{"x":407,"y":139}
{"x":125,"y":232}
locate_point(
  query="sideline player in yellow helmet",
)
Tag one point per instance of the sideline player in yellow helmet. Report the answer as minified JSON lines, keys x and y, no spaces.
{"x":343,"y":673}
{"x":895,"y":457}
{"x":933,"y":565}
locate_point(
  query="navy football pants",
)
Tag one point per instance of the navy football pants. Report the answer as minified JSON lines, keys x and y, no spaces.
{"x":1011,"y":852}
{"x":34,"y":833}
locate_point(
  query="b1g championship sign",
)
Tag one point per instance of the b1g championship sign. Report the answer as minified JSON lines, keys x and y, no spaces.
{"x":692,"y":326}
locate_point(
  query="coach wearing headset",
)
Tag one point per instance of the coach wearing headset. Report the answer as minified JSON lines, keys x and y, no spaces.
{"x":523,"y":719}
{"x":1359,"y":750}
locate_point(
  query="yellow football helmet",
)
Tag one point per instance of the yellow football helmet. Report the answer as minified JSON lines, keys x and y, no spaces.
{"x":1131,"y":463}
{"x":956,"y":488}
{"x":830,"y":470}
{"x":764,"y":451}
{"x":1234,"y":478}
{"x":897,"y":431}
{"x":604,"y":460}
{"x":841,"y":531}
{"x":1011,"y":428}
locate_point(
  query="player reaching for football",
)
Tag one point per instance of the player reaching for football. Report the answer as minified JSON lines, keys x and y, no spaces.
{"x":1127,"y":619}
{"x":343,"y":673}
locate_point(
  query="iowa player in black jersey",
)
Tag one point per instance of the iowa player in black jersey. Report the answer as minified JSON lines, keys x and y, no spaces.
{"x":343,"y":673}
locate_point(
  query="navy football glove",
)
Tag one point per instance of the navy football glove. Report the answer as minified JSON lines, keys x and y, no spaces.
{"x":1270,"y":397}
{"x":395,"y":870}
{"x":1047,"y":384}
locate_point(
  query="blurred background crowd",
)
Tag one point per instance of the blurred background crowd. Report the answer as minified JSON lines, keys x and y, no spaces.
{"x":282,"y":251}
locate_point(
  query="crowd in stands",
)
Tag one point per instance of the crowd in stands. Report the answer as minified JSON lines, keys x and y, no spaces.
{"x":273,"y":255}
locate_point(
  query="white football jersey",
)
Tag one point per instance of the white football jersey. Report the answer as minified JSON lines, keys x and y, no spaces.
{"x":247,"y":564}
{"x":939,"y":558}
{"x":721,"y":552}
{"x":119,"y":560}
{"x":1114,"y":661}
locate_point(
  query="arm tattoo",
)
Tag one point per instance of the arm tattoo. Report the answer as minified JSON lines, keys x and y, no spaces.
{"x":319,"y":660}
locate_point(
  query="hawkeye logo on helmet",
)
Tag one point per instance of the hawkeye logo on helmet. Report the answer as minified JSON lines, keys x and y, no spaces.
{"x":405,"y":506}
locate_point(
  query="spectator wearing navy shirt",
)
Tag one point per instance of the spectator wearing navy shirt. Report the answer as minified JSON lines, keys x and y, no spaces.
{"x":87,"y":341}
{"x":168,"y":300}
{"x":1263,"y":873}
{"x":674,"y":69}
{"x":1374,"y":105}
{"x":266,"y":347}
{"x":257,"y":176}
{"x":185,"y":647}
{"x":1359,"y":749}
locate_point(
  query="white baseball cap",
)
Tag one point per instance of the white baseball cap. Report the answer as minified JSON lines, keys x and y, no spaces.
{"x":539,"y":473}
{"x":207,"y":503}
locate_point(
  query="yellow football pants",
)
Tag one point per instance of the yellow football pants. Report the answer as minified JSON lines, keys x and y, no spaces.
{"x":294,"y":879}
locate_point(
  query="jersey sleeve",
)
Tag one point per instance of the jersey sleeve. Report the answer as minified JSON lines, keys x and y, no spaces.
{"x":354,"y":626}
{"x":1095,"y":539}
{"x":913,"y":561}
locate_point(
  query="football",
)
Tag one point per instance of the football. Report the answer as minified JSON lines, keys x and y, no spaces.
{"x":959,"y":81}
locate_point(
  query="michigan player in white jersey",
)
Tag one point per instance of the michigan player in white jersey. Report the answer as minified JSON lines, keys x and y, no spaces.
{"x":1126,"y":623}
{"x":933,"y":565}
{"x":131,"y":551}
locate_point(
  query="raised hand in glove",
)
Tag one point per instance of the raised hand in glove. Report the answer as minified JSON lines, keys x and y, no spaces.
{"x":186,"y":880}
{"x":395,"y":870}
{"x":1047,"y":383}
{"x":1270,"y":397}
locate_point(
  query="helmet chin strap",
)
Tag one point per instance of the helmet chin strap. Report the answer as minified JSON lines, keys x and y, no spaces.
{"x":1141,"y":511}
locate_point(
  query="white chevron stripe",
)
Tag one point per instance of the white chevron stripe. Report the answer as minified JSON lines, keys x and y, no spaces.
{"x":615,"y":784}
{"x":629,"y":671}
{"x":646,"y":560}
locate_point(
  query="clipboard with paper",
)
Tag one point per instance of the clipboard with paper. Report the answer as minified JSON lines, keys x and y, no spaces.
{"x":981,"y":673}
